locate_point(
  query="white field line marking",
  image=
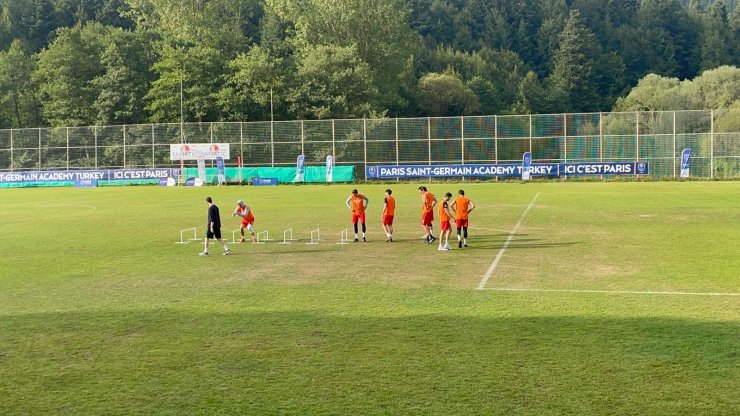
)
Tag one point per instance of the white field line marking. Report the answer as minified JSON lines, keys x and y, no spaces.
{"x":615,"y":292}
{"x":500,"y":254}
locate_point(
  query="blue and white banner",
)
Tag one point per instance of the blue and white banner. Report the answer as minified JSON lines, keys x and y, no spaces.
{"x":299,"y":169}
{"x":526,"y":166}
{"x":221,"y":170}
{"x":329,"y":169}
{"x":506,"y":170}
{"x":87,"y":175}
{"x":685,"y":162}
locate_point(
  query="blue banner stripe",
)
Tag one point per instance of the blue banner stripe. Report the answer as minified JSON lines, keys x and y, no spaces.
{"x":505,"y":170}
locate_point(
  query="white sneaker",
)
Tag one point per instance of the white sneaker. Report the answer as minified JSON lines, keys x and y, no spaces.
{"x":227,"y":252}
{"x":441,"y":249}
{"x":205,"y":253}
{"x":447,"y":247}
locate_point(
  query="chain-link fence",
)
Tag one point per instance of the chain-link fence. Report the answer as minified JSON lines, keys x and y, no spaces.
{"x":654,"y":137}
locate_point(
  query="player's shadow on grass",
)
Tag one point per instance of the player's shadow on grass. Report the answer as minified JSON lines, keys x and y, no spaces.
{"x":173,"y":360}
{"x":497,"y":241}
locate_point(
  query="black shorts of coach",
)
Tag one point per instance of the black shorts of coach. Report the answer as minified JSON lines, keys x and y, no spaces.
{"x":215,"y":234}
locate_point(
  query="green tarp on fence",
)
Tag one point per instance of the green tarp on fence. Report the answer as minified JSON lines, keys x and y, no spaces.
{"x":311,"y":174}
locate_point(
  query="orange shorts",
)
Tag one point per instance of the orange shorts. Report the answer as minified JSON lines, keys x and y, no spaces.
{"x":358,"y":217}
{"x":387,"y":219}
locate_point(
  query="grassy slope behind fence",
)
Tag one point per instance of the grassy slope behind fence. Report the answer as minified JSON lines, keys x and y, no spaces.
{"x":102,"y":313}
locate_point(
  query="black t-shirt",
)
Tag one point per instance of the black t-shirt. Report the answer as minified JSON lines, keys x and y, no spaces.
{"x":214,"y":217}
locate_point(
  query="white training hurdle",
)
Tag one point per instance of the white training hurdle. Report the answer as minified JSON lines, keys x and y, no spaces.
{"x":262,"y":240}
{"x":343,"y":237}
{"x":234,"y":236}
{"x":316,"y":233}
{"x":182,"y":236}
{"x":267,"y":236}
{"x":288,"y":237}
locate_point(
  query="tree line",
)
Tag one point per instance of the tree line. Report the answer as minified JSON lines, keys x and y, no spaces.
{"x":102,"y":62}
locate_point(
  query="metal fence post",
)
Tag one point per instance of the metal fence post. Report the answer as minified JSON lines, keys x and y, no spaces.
{"x":397,"y":158}
{"x":674,"y":143}
{"x":333,"y":139}
{"x":364,"y":144}
{"x":601,"y":137}
{"x":11,"y":151}
{"x":495,"y":138}
{"x":95,"y":135}
{"x":530,"y":133}
{"x":462,"y":140}
{"x":124,"y":146}
{"x":67,"y":148}
{"x":711,"y":145}
{"x":303,"y":139}
{"x":39,"y":148}
{"x":429,"y":138}
{"x":565,"y":138}
{"x":637,"y":136}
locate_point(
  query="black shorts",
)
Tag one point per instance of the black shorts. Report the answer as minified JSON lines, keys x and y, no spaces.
{"x":215,"y":234}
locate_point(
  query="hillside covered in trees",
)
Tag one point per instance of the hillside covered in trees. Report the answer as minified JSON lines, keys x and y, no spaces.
{"x":96,"y":62}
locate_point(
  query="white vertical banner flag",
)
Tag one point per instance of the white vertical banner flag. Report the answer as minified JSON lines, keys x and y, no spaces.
{"x":685,"y":162}
{"x":299,"y":169}
{"x":329,"y":169}
{"x":201,"y":171}
{"x":526,"y":166}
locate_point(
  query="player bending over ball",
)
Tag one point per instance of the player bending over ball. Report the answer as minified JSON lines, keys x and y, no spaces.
{"x":357,"y":203}
{"x":444,"y":223}
{"x":462,"y":206}
{"x":389,"y":209}
{"x":247,"y":217}
{"x":213,"y":229}
{"x":428,"y":201}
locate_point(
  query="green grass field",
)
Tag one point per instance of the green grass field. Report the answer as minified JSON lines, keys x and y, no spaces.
{"x":626,"y":302}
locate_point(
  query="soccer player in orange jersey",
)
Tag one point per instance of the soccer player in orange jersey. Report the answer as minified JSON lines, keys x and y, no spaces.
{"x":389,"y":209}
{"x":428,"y":201}
{"x":444,"y":223}
{"x":462,"y":206}
{"x":357,"y":203}
{"x":243,"y":211}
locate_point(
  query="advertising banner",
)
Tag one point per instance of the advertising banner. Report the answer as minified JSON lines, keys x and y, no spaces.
{"x":221,"y":170}
{"x":685,"y":162}
{"x":194,"y":151}
{"x":329,"y":168}
{"x":526,"y":166}
{"x":87,"y":175}
{"x":201,"y":172}
{"x":505,"y":170}
{"x":299,"y":169}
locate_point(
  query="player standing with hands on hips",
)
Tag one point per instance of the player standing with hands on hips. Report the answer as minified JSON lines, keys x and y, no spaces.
{"x":428,"y":201}
{"x":243,"y":211}
{"x":213,"y":229}
{"x":444,"y":223}
{"x":389,"y":209}
{"x":357,"y":203}
{"x":462,"y":206}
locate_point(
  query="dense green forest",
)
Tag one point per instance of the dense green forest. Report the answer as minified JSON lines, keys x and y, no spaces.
{"x":87,"y":62}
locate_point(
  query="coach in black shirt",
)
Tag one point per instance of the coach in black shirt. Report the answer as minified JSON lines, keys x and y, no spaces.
{"x":213,"y":229}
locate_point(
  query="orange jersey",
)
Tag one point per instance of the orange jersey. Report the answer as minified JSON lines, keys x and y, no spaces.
{"x":390,"y":206}
{"x":427,"y":201}
{"x":462,"y":208}
{"x":443,"y":215}
{"x":240,"y":212}
{"x":358,"y":203}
